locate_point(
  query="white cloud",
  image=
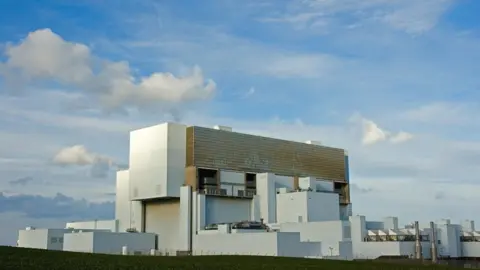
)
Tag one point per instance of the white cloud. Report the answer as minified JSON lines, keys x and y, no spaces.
{"x":44,"y":55}
{"x":372,"y":133}
{"x":78,"y":155}
{"x":217,"y":51}
{"x":416,"y":17}
{"x":411,"y":16}
{"x":444,"y":113}
{"x":400,"y":137}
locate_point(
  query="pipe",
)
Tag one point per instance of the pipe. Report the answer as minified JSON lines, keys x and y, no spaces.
{"x":418,"y":244}
{"x":433,"y":240}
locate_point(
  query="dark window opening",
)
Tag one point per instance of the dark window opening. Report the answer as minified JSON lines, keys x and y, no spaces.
{"x":251,"y":181}
{"x":338,"y":187}
{"x":207,"y":178}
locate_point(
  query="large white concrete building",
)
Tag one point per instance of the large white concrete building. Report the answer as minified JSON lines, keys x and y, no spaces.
{"x":199,"y":190}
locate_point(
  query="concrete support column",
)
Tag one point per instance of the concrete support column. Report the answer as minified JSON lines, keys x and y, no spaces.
{"x":185,"y":230}
{"x":201,"y":211}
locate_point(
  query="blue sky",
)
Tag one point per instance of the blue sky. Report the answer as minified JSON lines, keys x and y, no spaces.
{"x":393,"y":81}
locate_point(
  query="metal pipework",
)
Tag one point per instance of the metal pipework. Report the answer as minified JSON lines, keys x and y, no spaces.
{"x":433,"y":241}
{"x":418,"y":244}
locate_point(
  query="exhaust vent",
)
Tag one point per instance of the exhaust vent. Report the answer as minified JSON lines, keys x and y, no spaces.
{"x":224,"y":128}
{"x":314,"y":142}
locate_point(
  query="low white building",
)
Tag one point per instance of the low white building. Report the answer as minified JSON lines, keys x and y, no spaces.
{"x":109,"y":225}
{"x":214,"y":191}
{"x":109,"y":242}
{"x":43,"y":238}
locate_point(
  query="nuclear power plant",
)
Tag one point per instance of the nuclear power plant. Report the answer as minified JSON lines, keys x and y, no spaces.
{"x":193,"y":190}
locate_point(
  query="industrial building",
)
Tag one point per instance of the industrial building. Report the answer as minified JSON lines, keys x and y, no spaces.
{"x":197,"y":190}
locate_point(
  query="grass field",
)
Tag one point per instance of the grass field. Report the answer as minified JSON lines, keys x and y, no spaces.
{"x":20,"y":258}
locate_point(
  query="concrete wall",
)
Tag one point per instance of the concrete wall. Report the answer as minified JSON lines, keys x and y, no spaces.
{"x":199,"y":211}
{"x":307,"y":206}
{"x":112,"y":243}
{"x":136,"y":212}
{"x":467,"y":225}
{"x":266,"y":191}
{"x":157,"y":154}
{"x":37,"y":238}
{"x":372,"y":250}
{"x":345,"y":211}
{"x":123,"y":209}
{"x":42,"y":238}
{"x":109,"y":243}
{"x":390,"y":223}
{"x":345,"y":250}
{"x":329,"y":233}
{"x":291,"y":245}
{"x":127,"y":212}
{"x":255,"y":243}
{"x":176,"y":158}
{"x":110,"y":225}
{"x":219,"y":210}
{"x":255,"y":213}
{"x":185,"y":223}
{"x":237,"y":244}
{"x":163,"y":218}
{"x":322,"y":206}
{"x":449,"y":244}
{"x":283,"y":182}
{"x":470,"y":249}
{"x":56,"y":238}
{"x":78,"y":242}
{"x":232,"y":182}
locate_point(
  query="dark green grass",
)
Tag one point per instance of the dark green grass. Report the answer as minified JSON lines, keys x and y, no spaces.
{"x":21,"y":258}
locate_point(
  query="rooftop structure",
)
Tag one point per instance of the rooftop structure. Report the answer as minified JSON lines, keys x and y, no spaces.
{"x":197,"y":190}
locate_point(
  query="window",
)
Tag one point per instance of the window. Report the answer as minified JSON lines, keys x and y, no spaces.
{"x":251,"y":180}
{"x":207,"y":178}
{"x":53,"y":240}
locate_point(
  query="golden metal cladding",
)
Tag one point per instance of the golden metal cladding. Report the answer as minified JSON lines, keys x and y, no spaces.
{"x":211,"y":148}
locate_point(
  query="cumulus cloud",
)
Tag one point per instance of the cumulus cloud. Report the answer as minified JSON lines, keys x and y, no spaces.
{"x":372,"y":133}
{"x":45,"y":56}
{"x":79,"y":155}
